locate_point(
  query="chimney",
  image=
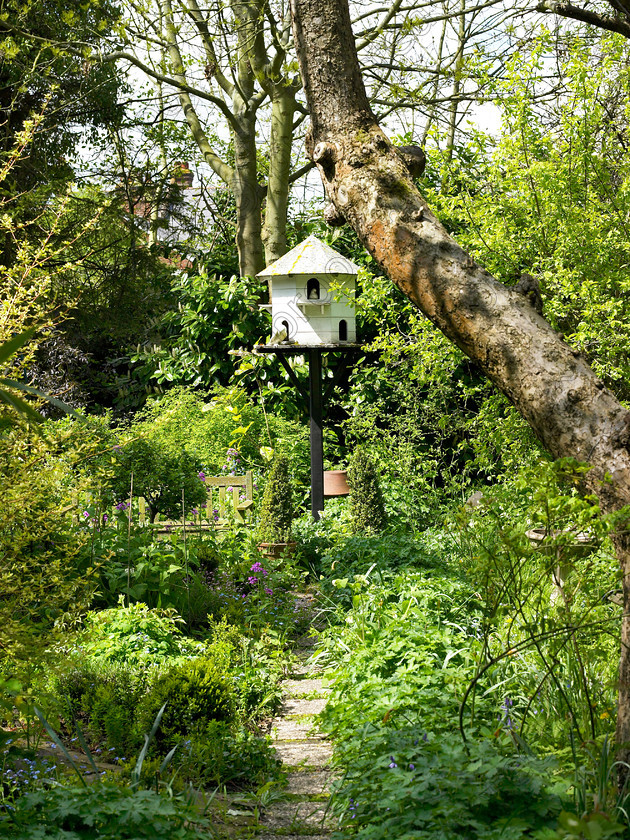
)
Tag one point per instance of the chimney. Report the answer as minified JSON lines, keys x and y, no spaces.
{"x":182,"y":176}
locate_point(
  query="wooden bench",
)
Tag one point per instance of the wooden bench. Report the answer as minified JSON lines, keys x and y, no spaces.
{"x":218,"y":487}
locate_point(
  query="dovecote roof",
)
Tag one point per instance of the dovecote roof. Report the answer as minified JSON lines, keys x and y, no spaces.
{"x":310,"y":257}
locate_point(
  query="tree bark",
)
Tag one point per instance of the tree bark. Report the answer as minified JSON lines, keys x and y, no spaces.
{"x":561,"y":398}
{"x":281,"y":140}
{"x":248,"y":196}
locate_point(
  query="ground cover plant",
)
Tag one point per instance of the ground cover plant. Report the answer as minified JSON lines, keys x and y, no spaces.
{"x":473,"y":688}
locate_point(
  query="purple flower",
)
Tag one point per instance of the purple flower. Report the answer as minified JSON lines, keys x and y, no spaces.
{"x":412,"y":766}
{"x":392,"y":763}
{"x":202,"y":475}
{"x":194,"y":512}
{"x":105,"y":518}
{"x":252,"y":581}
{"x":257,"y":567}
{"x":268,"y":591}
{"x":86,"y":514}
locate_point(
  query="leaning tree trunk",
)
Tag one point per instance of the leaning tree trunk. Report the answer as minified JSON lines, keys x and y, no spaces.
{"x":552,"y":386}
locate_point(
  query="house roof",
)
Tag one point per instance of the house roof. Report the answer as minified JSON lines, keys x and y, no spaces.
{"x":310,"y":257}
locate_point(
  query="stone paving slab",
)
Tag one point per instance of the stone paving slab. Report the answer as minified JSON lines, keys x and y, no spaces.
{"x":309,"y":784}
{"x":311,"y":753}
{"x":295,"y":688}
{"x":293,"y":706}
{"x":286,"y":729}
{"x":318,"y":836}
{"x":297,"y":815}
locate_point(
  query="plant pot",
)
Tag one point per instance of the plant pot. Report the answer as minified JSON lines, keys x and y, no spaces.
{"x":336,"y":483}
{"x":284,"y":549}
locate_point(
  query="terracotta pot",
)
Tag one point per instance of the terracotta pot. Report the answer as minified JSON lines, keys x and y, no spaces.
{"x":336,"y":483}
{"x":277,"y":549}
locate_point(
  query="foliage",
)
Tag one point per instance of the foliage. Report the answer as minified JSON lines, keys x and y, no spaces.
{"x":120,"y":813}
{"x":169,"y":482}
{"x":220,"y":756}
{"x":550,"y":633}
{"x":276,"y":510}
{"x":403,"y":783}
{"x":195,"y":692}
{"x":404,"y":645}
{"x":114,"y":285}
{"x":260,"y":597}
{"x":135,"y":635}
{"x":38,"y":76}
{"x":433,"y":425}
{"x":550,"y":196}
{"x":211,"y":428}
{"x":104,"y":696}
{"x":134,"y":562}
{"x":44,"y":582}
{"x":366,"y":500}
{"x":511,"y":640}
{"x":395,"y":551}
{"x":193,"y":349}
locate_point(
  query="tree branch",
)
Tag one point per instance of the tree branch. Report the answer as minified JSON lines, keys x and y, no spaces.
{"x":568,"y":10}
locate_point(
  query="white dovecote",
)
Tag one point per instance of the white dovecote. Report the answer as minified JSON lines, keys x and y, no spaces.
{"x":312,"y":295}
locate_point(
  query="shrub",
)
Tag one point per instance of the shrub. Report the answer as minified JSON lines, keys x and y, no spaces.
{"x":276,"y":513}
{"x":216,"y":756}
{"x":160,"y":476}
{"x":366,"y":500}
{"x":135,"y":635}
{"x":195,"y":693}
{"x":105,"y":696}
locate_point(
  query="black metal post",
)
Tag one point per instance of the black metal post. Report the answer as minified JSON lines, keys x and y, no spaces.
{"x":317,"y":431}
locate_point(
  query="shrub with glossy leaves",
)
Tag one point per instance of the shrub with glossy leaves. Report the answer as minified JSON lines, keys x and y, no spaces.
{"x":195,"y":693}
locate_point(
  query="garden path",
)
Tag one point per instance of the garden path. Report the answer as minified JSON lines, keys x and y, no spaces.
{"x":306,"y":754}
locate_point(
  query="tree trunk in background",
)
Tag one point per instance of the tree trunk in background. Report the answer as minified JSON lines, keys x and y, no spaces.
{"x":248,"y":196}
{"x":552,"y":386}
{"x":281,"y":141}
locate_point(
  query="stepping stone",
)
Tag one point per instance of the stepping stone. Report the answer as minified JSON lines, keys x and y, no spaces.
{"x":309,"y":784}
{"x":293,"y":706}
{"x":318,"y":836}
{"x":297,"y":816}
{"x":310,"y":753}
{"x":285,"y":729}
{"x":295,"y":688}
